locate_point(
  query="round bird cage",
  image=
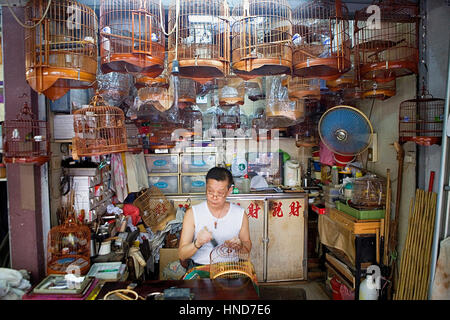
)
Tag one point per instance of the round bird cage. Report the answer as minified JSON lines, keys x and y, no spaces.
{"x":26,"y":139}
{"x":60,"y":52}
{"x":348,"y":80}
{"x":201,"y":44}
{"x":387,"y":48}
{"x":231,"y":91}
{"x":191,"y":117}
{"x":261,"y":38}
{"x":159,"y":97}
{"x":421,"y":120}
{"x":99,"y":129}
{"x":230,"y":261}
{"x":378,"y":90}
{"x":131,"y":37}
{"x":187,"y":91}
{"x":301,"y":88}
{"x":114,"y":87}
{"x":68,"y":248}
{"x":321,"y":40}
{"x":254,"y":89}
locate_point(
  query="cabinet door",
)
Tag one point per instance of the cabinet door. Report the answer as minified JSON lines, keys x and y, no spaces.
{"x":287,"y":238}
{"x":255,"y":212}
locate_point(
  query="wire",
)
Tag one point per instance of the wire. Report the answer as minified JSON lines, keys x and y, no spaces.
{"x":24,"y":25}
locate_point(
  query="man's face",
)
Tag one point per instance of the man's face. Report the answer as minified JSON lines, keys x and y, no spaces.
{"x":217,"y":192}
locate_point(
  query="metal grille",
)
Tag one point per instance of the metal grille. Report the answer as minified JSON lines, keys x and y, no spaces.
{"x":61,"y":52}
{"x":321,"y":41}
{"x":421,"y":120}
{"x":131,"y":38}
{"x":388,"y":48}
{"x":261,"y":38}
{"x":203,"y":48}
{"x":25,"y":139}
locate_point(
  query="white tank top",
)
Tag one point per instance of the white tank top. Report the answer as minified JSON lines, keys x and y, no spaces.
{"x":228,"y":227}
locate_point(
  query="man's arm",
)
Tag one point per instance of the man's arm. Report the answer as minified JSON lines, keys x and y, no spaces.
{"x":244,"y":234}
{"x":188,"y":245}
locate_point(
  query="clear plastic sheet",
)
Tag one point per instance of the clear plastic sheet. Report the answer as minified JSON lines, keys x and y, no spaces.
{"x":114,"y":87}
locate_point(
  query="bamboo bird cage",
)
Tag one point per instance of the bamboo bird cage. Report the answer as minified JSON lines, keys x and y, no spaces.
{"x":99,"y":129}
{"x":321,"y":40}
{"x":201,"y":45}
{"x":231,"y":91}
{"x":388,"y":49}
{"x":131,"y":37}
{"x":261,"y":38}
{"x":378,"y":90}
{"x":301,"y":88}
{"x":61,"y":51}
{"x":228,"y":261}
{"x":26,"y":139}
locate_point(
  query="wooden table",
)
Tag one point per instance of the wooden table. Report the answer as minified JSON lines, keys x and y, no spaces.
{"x":203,"y":289}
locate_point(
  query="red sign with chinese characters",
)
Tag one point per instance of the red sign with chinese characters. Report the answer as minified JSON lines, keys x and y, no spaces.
{"x":253,"y":209}
{"x":295,"y":208}
{"x":277,"y":211}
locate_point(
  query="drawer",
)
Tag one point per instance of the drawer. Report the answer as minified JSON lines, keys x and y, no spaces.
{"x":197,"y":163}
{"x":167,"y":184}
{"x":193,"y":184}
{"x":161,"y":163}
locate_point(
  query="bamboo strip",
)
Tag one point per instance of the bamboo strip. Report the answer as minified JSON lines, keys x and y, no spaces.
{"x":387,"y":218}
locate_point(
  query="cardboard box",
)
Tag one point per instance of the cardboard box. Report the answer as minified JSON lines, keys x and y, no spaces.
{"x":166,"y":256}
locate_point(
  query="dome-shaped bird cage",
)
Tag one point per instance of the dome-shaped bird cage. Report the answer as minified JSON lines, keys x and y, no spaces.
{"x":99,"y":129}
{"x":202,"y":47}
{"x":61,"y":51}
{"x":261,"y":38}
{"x":421,"y":120}
{"x":131,"y":38}
{"x":68,"y":248}
{"x":378,"y":90}
{"x":387,"y":48}
{"x":26,"y":139}
{"x":301,"y":88}
{"x":321,"y":40}
{"x":114,"y":87}
{"x":231,"y":91}
{"x":254,"y":89}
{"x":230,"y":261}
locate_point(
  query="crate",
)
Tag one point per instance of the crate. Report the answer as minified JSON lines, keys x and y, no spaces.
{"x":360,"y":214}
{"x":168,"y":184}
{"x":156,"y":163}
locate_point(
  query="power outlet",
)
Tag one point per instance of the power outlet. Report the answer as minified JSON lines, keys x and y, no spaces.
{"x":370,"y":154}
{"x":373,"y":149}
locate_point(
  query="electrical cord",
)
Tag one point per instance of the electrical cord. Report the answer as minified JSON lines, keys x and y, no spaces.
{"x":24,"y":25}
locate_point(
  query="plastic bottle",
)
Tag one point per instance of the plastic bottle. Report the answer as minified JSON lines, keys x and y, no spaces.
{"x":246,"y":184}
{"x":367,"y":289}
{"x":334,"y":176}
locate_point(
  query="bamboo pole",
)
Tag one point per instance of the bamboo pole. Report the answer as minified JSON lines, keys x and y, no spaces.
{"x":387,"y":218}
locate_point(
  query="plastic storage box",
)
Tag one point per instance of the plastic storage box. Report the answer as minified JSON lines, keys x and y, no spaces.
{"x":167,"y":184}
{"x":360,"y":214}
{"x":161,"y":163}
{"x":193,"y":184}
{"x":197,"y":163}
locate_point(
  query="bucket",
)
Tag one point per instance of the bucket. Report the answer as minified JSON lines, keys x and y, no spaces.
{"x":336,"y":288}
{"x":343,"y":160}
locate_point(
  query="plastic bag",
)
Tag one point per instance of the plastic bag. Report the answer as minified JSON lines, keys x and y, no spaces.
{"x":114,"y":87}
{"x":133,"y":212}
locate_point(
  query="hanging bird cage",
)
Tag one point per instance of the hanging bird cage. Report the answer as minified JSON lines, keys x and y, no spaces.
{"x":231,"y":91}
{"x":68,"y":248}
{"x":61,"y":51}
{"x":421,"y":120}
{"x":26,"y":139}
{"x":387,"y":48}
{"x":254,"y":89}
{"x":201,"y":45}
{"x":321,"y":40}
{"x":191,"y":117}
{"x":141,"y":81}
{"x":301,"y":88}
{"x":158,"y":96}
{"x":261,"y":38}
{"x":114,"y":87}
{"x":229,"y":261}
{"x":187,"y":91}
{"x":378,"y":90}
{"x":134,"y":139}
{"x":99,"y":129}
{"x":348,"y":80}
{"x":131,"y":37}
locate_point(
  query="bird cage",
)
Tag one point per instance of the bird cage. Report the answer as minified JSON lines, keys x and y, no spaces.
{"x":261,"y":38}
{"x":141,"y":81}
{"x":387,"y":48}
{"x":26,"y":139}
{"x":231,"y":91}
{"x":114,"y":87}
{"x":278,"y":103}
{"x":187,"y":91}
{"x":162,"y":138}
{"x":131,"y":37}
{"x":378,"y":90}
{"x":348,"y":80}
{"x":321,"y":40}
{"x":68,"y":248}
{"x":230,"y":261}
{"x":158,"y":96}
{"x":190,"y":117}
{"x":134,"y":139}
{"x":99,"y":129}
{"x":61,"y":51}
{"x":254,"y":89}
{"x":301,"y":88}
{"x":201,"y":45}
{"x":421,"y":120}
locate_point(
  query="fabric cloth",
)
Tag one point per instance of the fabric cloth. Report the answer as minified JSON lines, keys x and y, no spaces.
{"x":136,"y":170}
{"x":119,"y":179}
{"x":440,"y":289}
{"x":13,"y":284}
{"x":227,"y":228}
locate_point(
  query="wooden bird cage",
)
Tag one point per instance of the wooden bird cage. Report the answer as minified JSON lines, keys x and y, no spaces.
{"x":131,"y":37}
{"x":187,"y":91}
{"x":99,"y":129}
{"x":229,"y":261}
{"x":68,"y":248}
{"x":26,"y":139}
{"x":388,"y":49}
{"x":261,"y":38}
{"x":254,"y":89}
{"x":348,"y":80}
{"x":158,"y":96}
{"x":421,"y":120}
{"x":321,"y":41}
{"x":141,"y":81}
{"x":114,"y":87}
{"x":61,"y":51}
{"x":134,"y":139}
{"x":378,"y":90}
{"x":231,"y":91}
{"x":301,"y":88}
{"x":202,"y":47}
{"x":190,"y":117}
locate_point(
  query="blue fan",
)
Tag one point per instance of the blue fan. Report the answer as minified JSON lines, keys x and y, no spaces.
{"x":345,"y":130}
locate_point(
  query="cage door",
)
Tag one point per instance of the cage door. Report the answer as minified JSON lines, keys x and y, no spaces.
{"x":141,"y":32}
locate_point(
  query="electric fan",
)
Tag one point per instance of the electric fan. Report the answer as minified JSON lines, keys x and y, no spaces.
{"x":346,"y":131}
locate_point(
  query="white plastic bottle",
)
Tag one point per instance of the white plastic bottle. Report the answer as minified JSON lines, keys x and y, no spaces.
{"x":368,"y":289}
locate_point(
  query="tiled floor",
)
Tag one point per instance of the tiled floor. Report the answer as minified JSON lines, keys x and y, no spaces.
{"x":315,"y":289}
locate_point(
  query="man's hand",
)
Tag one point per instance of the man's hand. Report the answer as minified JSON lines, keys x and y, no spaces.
{"x":203,"y":236}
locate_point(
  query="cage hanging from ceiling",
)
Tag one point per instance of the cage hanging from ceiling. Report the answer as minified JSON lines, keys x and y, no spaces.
{"x":261,"y":38}
{"x":321,"y":40}
{"x":301,"y":88}
{"x":99,"y":129}
{"x":61,"y":51}
{"x":26,"y":139}
{"x":387,"y":48}
{"x":378,"y":90}
{"x":131,"y":38}
{"x":201,"y":45}
{"x":348,"y":80}
{"x":231,"y":91}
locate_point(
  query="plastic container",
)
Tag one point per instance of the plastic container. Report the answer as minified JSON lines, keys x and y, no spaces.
{"x":367,"y":289}
{"x":196,"y":163}
{"x":369,"y":191}
{"x":334,"y":176}
{"x":161,"y":163}
{"x":193,"y":184}
{"x":360,"y":214}
{"x":167,"y":184}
